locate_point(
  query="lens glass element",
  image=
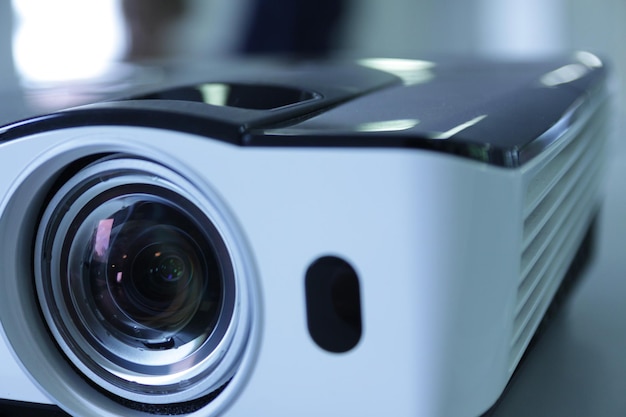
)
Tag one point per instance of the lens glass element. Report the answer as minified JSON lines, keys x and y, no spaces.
{"x":147,"y":270}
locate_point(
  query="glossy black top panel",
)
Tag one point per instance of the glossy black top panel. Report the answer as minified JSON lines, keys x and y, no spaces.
{"x":498,"y":112}
{"x":502,"y":113}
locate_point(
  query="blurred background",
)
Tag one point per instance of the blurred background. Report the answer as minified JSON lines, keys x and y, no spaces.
{"x":66,"y":42}
{"x":68,"y":39}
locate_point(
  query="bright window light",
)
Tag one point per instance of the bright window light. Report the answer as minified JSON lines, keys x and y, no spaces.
{"x":66,"y":40}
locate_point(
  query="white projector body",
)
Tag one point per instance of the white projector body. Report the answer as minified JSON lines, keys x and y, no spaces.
{"x":440,"y":253}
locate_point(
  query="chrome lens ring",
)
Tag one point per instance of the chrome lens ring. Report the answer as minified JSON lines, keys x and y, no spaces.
{"x":136,"y":274}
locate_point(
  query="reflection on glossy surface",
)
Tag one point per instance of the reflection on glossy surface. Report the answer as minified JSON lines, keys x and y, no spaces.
{"x":585,"y":63}
{"x":563,"y":75}
{"x":459,"y":128}
{"x":411,"y":71}
{"x":215,"y":93}
{"x":388,"y":125}
{"x":588,"y":59}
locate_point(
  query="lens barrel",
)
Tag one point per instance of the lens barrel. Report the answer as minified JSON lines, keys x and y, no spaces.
{"x":137,"y":282}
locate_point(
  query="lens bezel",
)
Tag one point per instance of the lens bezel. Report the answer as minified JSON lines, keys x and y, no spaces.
{"x":153,"y":375}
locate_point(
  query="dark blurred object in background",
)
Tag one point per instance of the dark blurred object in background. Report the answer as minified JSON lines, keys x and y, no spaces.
{"x":293,"y":27}
{"x":147,"y":23}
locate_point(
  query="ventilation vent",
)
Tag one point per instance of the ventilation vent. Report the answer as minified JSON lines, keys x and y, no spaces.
{"x":558,"y":204}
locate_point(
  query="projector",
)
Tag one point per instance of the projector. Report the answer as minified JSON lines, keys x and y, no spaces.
{"x":297,"y":238}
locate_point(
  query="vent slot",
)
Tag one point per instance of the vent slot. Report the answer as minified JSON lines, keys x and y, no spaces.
{"x":559,"y":202}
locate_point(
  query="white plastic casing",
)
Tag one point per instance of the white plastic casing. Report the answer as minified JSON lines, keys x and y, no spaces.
{"x":435,"y":240}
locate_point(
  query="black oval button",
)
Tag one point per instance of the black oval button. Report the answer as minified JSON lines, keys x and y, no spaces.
{"x":333,"y":303}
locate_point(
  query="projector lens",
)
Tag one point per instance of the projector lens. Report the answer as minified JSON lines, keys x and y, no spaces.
{"x":137,"y":283}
